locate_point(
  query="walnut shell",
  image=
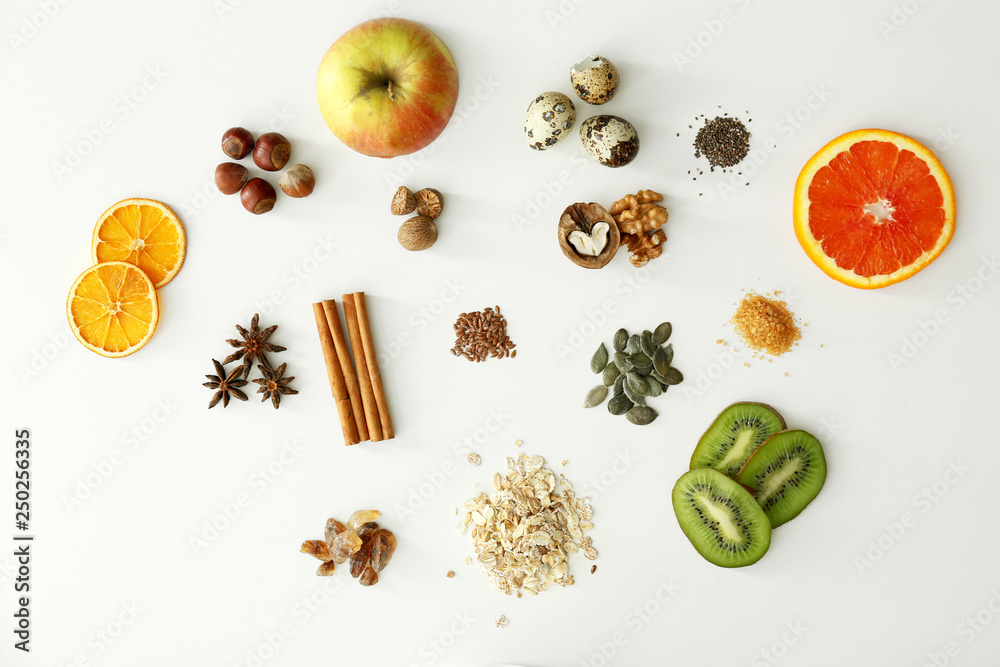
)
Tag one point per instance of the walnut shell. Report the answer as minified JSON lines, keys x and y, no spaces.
{"x":583,"y":217}
{"x":417,"y":233}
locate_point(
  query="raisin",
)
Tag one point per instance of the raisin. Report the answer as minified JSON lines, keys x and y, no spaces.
{"x":369,"y":577}
{"x":316,"y":548}
{"x":383,"y":545}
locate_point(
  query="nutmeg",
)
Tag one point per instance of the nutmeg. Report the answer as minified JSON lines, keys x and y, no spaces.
{"x":258,"y":196}
{"x":429,"y":202}
{"x":403,"y":201}
{"x":298,"y":181}
{"x":272,"y":151}
{"x":237,"y":142}
{"x":231,"y":177}
{"x":417,"y":233}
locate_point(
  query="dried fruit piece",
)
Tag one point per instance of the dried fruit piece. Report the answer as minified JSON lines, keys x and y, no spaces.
{"x":369,"y":577}
{"x":317,"y":548}
{"x":403,"y":201}
{"x":383,"y":546}
{"x":361,"y":517}
{"x":333,"y":528}
{"x":359,"y":561}
{"x":429,"y":202}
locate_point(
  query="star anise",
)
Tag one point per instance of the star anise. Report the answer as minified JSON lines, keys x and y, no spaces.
{"x":273,"y":385}
{"x":225,"y":385}
{"x":253,"y":346}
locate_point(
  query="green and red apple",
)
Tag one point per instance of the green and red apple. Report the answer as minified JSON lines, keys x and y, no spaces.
{"x":387,"y":87}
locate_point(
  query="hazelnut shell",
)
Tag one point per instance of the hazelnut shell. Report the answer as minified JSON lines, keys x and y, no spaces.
{"x":417,"y":233}
{"x":297,"y":181}
{"x":272,"y":151}
{"x":258,"y":196}
{"x":237,"y":142}
{"x":231,"y":177}
{"x":583,"y":217}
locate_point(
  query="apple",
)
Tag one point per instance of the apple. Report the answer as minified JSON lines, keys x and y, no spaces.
{"x":387,"y":87}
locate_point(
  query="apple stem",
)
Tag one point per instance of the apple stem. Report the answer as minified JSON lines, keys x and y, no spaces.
{"x":392,"y":94}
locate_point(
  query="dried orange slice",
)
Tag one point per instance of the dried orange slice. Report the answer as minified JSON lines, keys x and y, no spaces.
{"x":112,"y":308}
{"x":873,"y":207}
{"x":143,"y":232}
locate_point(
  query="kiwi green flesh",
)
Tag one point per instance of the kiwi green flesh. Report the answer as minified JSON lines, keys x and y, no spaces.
{"x":721,"y":518}
{"x":734,"y":435}
{"x":785,"y":473}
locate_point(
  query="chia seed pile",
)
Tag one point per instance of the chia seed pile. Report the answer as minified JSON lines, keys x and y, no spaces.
{"x":724,"y":141}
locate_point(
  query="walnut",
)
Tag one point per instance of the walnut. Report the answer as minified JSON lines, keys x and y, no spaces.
{"x":588,"y":235}
{"x":644,"y":247}
{"x":639,"y":218}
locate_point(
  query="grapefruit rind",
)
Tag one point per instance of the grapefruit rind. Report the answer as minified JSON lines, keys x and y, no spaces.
{"x":135,"y":274}
{"x":102,"y":252}
{"x":813,"y":247}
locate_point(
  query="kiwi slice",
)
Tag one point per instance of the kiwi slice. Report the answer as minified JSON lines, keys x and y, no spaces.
{"x":785,"y":473}
{"x":721,"y":518}
{"x":734,"y":435}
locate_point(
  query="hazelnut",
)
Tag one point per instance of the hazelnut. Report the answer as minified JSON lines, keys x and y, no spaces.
{"x":231,"y":177}
{"x":417,"y":233}
{"x":258,"y":196}
{"x":272,"y":151}
{"x":237,"y":143}
{"x":298,"y":181}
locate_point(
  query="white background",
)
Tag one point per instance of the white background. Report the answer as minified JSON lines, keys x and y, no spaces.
{"x":859,"y":589}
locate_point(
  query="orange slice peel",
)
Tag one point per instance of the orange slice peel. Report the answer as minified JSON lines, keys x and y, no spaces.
{"x":112,"y":308}
{"x":144,"y":232}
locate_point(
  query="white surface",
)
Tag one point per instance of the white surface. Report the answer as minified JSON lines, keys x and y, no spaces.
{"x":890,"y":433}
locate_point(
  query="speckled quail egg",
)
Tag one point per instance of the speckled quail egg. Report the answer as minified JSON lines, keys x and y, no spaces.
{"x":610,"y":140}
{"x":594,"y":79}
{"x":550,"y":117}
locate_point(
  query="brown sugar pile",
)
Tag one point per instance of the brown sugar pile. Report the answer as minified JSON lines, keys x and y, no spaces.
{"x":765,"y":324}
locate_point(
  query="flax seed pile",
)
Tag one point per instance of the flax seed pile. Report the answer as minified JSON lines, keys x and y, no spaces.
{"x":482,"y":334}
{"x":765,"y":324}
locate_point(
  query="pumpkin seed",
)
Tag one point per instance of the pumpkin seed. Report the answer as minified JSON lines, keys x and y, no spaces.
{"x":611,"y":374}
{"x":632,"y":396}
{"x":669,"y":349}
{"x":655,"y":388}
{"x":660,"y":377}
{"x":640,"y":360}
{"x":633,"y":344}
{"x":641,"y":415}
{"x":621,"y":340}
{"x":660,"y":362}
{"x":673,"y":376}
{"x":619,"y":385}
{"x":662,"y":333}
{"x":595,"y":396}
{"x":637,"y":384}
{"x":599,"y":360}
{"x":619,"y":405}
{"x":621,"y":361}
{"x":646,"y":343}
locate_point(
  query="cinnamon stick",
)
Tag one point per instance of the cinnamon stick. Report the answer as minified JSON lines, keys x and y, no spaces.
{"x":361,"y":306}
{"x":364,"y":379}
{"x":337,"y":385}
{"x":344,"y":356}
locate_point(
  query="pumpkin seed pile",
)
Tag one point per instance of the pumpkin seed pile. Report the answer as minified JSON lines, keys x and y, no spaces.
{"x":639,"y":369}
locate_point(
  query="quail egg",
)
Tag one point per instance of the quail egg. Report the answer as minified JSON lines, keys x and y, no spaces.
{"x":549,"y":119}
{"x":594,"y":79}
{"x":610,"y":140}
